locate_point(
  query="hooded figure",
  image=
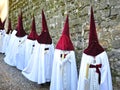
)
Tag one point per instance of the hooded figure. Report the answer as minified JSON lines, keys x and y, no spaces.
{"x":2,"y":34}
{"x":21,"y":36}
{"x":94,"y":70}
{"x":64,"y":71}
{"x":30,"y":43}
{"x":15,"y":58}
{"x":7,"y":37}
{"x":39,"y":67}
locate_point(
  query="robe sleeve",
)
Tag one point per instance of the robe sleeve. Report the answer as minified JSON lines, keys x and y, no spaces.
{"x":67,"y":58}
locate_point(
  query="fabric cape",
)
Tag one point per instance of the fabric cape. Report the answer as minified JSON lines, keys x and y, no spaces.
{"x":10,"y":45}
{"x":94,"y":71}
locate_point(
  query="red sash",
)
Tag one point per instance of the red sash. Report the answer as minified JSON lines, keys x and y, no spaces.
{"x":97,"y":70}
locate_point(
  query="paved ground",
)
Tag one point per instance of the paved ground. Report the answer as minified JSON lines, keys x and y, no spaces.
{"x":12,"y":79}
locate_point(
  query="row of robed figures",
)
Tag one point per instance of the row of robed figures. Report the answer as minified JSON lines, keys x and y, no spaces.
{"x":39,"y":62}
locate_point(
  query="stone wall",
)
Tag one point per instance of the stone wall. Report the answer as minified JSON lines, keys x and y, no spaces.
{"x":107,"y":18}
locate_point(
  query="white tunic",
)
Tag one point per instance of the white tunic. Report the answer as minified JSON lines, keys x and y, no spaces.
{"x":39,"y":67}
{"x":9,"y":49}
{"x":64,"y":72}
{"x":29,"y":47}
{"x":2,"y":34}
{"x":11,"y":41}
{"x":88,"y":77}
{"x":6,"y":42}
{"x":12,"y":57}
{"x":19,"y":54}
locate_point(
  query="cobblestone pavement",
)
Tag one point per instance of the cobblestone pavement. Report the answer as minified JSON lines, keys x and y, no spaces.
{"x":12,"y":79}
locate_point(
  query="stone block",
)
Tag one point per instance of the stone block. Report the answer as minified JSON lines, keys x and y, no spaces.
{"x":116,"y":44}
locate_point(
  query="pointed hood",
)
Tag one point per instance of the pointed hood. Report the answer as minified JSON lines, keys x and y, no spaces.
{"x":94,"y":48}
{"x":65,"y":42}
{"x":9,"y":26}
{"x":44,"y":37}
{"x":16,"y":28}
{"x":33,"y":34}
{"x":2,"y":24}
{"x":20,"y":30}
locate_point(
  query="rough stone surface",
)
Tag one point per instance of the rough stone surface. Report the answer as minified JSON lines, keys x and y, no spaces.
{"x":107,"y":18}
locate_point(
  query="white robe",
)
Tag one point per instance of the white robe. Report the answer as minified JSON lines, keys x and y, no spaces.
{"x":39,"y":67}
{"x":19,"y":54}
{"x":64,"y":72}
{"x":28,"y":50}
{"x":13,"y":49}
{"x":90,"y":81}
{"x":2,"y":35}
{"x":10,"y":45}
{"x":9,"y":49}
{"x":6,"y":42}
